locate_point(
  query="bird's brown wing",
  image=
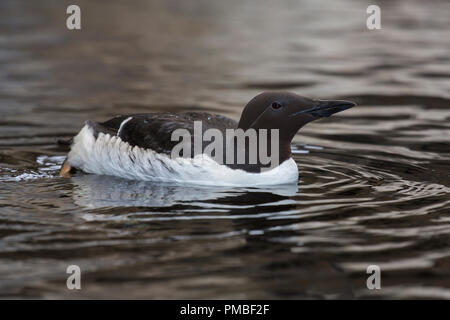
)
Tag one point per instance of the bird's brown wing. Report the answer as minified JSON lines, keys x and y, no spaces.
{"x":154,"y":130}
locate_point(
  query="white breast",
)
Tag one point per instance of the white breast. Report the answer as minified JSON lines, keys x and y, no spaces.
{"x":109,"y":155}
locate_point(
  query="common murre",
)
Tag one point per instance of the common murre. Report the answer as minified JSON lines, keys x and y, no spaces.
{"x":141,"y":146}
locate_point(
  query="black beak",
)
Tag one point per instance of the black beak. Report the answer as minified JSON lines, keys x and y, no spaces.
{"x":326,"y":108}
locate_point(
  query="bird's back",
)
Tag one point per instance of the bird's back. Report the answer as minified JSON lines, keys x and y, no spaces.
{"x":154,"y":130}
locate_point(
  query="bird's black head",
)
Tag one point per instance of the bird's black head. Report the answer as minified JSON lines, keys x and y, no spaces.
{"x":287,"y":112}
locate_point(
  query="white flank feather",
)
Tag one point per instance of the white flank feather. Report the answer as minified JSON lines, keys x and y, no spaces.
{"x":109,"y":155}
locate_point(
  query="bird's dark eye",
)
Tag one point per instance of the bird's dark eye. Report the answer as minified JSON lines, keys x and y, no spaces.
{"x":276,"y":105}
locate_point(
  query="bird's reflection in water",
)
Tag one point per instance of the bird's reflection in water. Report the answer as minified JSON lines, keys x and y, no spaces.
{"x":96,"y":191}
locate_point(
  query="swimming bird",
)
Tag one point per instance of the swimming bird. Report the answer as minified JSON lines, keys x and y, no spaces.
{"x":140,"y":146}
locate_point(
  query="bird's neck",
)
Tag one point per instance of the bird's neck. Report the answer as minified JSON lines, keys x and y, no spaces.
{"x":269,"y":153}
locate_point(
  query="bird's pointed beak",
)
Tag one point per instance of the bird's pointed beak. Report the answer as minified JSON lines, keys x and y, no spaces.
{"x":326,"y":108}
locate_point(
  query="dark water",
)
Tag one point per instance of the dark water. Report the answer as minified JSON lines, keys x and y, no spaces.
{"x":374,"y":183}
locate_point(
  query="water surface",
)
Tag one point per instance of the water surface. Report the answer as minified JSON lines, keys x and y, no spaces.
{"x":374,"y":184}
